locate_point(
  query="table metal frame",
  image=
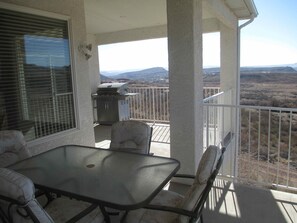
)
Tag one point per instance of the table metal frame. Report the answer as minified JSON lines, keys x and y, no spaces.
{"x":92,"y":164}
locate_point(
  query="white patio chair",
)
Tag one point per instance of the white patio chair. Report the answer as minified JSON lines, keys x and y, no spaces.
{"x":12,"y":147}
{"x":18,"y":203}
{"x":131,"y":136}
{"x":171,"y":207}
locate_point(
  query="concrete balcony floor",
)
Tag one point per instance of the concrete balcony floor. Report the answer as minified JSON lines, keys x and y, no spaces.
{"x":228,"y":202}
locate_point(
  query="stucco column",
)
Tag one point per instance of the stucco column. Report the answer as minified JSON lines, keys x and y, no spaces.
{"x":230,"y":85}
{"x":93,"y":62}
{"x":229,"y":60}
{"x":184,"y":19}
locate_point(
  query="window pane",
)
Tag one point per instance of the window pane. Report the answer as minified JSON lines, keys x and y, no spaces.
{"x":36,"y":94}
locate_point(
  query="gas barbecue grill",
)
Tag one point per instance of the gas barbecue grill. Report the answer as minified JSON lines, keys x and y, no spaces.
{"x":112,"y":103}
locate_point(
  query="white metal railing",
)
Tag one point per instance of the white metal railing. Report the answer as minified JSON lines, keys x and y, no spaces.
{"x":213,"y":124}
{"x":263,"y":150}
{"x":268,"y":145}
{"x":210,"y":91}
{"x":152,"y":103}
{"x":261,"y":141}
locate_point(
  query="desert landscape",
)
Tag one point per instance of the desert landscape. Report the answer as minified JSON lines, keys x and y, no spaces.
{"x":268,"y":145}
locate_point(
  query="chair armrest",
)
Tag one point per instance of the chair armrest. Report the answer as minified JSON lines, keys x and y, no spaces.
{"x":171,"y":209}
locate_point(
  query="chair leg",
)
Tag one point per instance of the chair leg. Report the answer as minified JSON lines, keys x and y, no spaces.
{"x":3,"y":216}
{"x":105,"y":214}
{"x":49,"y":196}
{"x":124,"y":216}
{"x":201,"y":218}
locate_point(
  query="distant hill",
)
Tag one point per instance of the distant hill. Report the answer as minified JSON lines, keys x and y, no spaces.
{"x":280,"y":69}
{"x":105,"y":78}
{"x":243,"y":70}
{"x":294,"y":66}
{"x":210,"y":75}
{"x":148,"y":75}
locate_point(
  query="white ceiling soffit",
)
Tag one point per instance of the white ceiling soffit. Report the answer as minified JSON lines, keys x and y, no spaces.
{"x":114,"y":16}
{"x":104,"y":16}
{"x":243,"y":9}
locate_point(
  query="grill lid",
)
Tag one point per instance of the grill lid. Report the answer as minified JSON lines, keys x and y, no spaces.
{"x":112,"y":89}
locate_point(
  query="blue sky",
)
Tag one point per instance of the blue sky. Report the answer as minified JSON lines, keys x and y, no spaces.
{"x":271,"y":39}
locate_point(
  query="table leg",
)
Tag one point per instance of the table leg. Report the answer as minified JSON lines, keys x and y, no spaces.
{"x":105,"y":214}
{"x":83,"y":213}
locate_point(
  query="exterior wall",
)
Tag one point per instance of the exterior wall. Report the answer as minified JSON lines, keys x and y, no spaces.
{"x":74,"y":9}
{"x":94,"y":72}
{"x":229,"y":68}
{"x":229,"y":81}
{"x":185,"y":82}
{"x":229,"y":59}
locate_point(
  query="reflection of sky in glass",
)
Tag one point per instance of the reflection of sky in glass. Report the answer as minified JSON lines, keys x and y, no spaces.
{"x":47,"y":51}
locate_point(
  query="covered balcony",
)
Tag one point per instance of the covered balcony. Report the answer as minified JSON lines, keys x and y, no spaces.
{"x":55,"y":108}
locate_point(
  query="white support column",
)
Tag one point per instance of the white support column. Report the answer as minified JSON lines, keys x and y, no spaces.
{"x":229,"y":72}
{"x":184,"y":20}
{"x":229,"y":81}
{"x":229,"y":60}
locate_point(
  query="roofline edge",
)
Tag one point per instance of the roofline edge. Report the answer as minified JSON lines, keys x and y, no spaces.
{"x":252,"y":7}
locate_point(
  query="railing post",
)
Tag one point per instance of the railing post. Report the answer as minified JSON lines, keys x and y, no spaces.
{"x":154,"y":112}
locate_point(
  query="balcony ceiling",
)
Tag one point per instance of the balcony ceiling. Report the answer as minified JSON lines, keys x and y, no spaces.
{"x":107,"y":16}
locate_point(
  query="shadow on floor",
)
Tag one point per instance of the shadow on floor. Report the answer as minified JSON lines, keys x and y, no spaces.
{"x":236,"y":203}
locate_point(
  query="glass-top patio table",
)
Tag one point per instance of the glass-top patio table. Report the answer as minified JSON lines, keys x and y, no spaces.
{"x":105,"y":177}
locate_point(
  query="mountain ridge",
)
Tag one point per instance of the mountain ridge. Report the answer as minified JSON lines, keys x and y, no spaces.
{"x":160,"y":74}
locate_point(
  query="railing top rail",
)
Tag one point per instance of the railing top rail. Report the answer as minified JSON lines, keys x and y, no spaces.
{"x":148,"y":87}
{"x":212,"y":87}
{"x":213,"y":96}
{"x":252,"y":107}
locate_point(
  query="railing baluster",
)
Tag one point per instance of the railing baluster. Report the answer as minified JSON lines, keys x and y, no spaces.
{"x":278,"y":147}
{"x":154,"y":111}
{"x":289,"y":149}
{"x":259,"y":140}
{"x":249,"y":144}
{"x":207,"y":127}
